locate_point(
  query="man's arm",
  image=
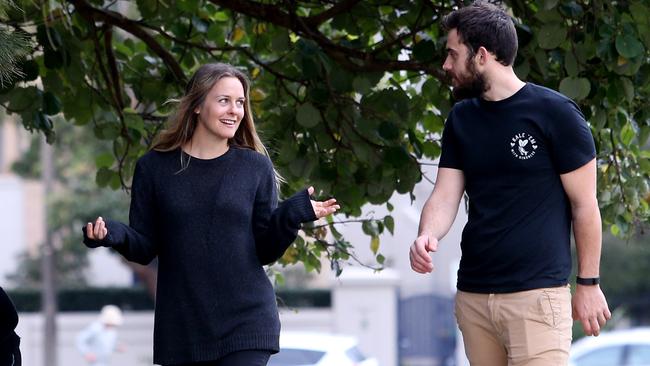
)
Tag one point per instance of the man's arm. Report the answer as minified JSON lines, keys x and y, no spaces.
{"x":589,"y":303}
{"x":437,"y":216}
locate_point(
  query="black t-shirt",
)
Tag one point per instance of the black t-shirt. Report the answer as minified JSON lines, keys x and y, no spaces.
{"x":512,"y":153}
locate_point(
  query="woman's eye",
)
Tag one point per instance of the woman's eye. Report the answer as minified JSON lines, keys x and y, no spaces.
{"x":240,"y":103}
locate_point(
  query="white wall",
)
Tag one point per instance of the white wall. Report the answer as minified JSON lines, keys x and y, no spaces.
{"x":364,"y":306}
{"x":136,"y":334}
{"x":11,"y":224}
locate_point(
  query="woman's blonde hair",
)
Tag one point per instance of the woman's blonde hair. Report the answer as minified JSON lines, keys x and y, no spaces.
{"x":182,"y":123}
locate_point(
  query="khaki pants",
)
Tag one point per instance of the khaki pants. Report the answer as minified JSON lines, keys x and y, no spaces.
{"x":531,"y":328}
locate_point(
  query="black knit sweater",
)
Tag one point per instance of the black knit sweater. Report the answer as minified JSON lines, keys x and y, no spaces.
{"x":212,"y":225}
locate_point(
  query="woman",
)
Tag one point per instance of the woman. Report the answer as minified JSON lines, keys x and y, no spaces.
{"x":204,"y":201}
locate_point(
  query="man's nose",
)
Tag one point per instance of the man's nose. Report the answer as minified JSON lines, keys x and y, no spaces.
{"x":446,"y":65}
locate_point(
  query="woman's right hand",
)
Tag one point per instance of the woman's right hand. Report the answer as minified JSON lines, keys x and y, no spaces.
{"x":97,"y":231}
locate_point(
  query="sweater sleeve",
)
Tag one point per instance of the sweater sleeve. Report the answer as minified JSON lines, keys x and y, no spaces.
{"x":136,"y":240}
{"x":276,"y":226}
{"x":9,"y":315}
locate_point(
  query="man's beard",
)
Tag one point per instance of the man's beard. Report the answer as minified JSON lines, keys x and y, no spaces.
{"x":470,"y":86}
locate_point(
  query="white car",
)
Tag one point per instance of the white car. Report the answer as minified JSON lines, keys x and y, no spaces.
{"x":319,"y":349}
{"x":629,"y":347}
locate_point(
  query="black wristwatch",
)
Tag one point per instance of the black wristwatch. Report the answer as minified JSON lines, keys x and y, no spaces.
{"x":587,"y":281}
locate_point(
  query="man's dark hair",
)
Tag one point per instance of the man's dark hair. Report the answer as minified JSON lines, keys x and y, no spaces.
{"x":487,"y":25}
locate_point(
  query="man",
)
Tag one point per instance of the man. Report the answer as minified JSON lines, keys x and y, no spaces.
{"x":526,"y":158}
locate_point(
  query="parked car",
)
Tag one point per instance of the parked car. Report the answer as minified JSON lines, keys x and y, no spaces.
{"x":629,"y":347}
{"x":319,"y":349}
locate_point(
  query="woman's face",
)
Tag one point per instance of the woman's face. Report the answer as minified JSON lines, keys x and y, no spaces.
{"x":222,"y":110}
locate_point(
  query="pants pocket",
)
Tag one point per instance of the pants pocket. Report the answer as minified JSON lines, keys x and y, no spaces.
{"x":550,"y":307}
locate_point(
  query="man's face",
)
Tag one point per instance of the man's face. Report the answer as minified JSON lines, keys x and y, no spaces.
{"x":459,"y":65}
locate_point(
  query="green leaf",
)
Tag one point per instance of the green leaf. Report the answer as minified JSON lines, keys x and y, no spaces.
{"x":628,"y":87}
{"x":104,"y":160}
{"x":29,"y":69}
{"x":424,"y":51}
{"x":368,"y":228}
{"x":575,"y":88}
{"x":280,"y":41}
{"x":396,"y":156}
{"x":627,"y":134}
{"x":388,"y":130}
{"x":550,"y":4}
{"x":362,"y":84}
{"x":341,"y":80}
{"x":550,"y":36}
{"x":374,"y":244}
{"x":103,"y":177}
{"x":308,"y":116}
{"x":51,"y":104}
{"x":390,"y":224}
{"x":25,"y":98}
{"x":628,"y":46}
{"x":147,"y":8}
{"x":571,"y":65}
{"x":221,"y":16}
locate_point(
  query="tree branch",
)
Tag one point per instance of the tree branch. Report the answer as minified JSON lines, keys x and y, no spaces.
{"x":351,"y":59}
{"x":110,"y":17}
{"x":112,"y":66}
{"x":315,"y":21}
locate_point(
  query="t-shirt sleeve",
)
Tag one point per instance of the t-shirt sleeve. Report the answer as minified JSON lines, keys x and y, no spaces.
{"x":572,"y":144}
{"x":450,"y":157}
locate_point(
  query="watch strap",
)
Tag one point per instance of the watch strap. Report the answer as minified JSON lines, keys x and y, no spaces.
{"x":587,"y":281}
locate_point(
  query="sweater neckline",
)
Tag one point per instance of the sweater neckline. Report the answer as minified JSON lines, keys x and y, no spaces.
{"x":207,"y":161}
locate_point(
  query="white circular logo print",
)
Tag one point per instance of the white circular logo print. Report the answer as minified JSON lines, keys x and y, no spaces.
{"x":523,"y":146}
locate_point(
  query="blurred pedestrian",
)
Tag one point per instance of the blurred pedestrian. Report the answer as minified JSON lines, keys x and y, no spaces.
{"x":204,"y":201}
{"x":9,"y":340}
{"x":98,"y":341}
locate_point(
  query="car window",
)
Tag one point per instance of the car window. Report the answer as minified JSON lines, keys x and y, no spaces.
{"x":295,"y":357}
{"x":355,"y":354}
{"x":639,"y":355}
{"x":606,"y":356}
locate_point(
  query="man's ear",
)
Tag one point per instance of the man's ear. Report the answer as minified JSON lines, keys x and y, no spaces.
{"x":483,"y":54}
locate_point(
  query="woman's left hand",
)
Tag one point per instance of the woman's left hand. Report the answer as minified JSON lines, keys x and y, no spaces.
{"x":323,"y":208}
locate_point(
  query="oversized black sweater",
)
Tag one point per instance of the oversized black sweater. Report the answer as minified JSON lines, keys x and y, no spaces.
{"x":212,"y":226}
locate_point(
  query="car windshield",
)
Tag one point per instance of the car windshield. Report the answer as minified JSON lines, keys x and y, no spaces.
{"x":607,"y":356}
{"x":295,"y":357}
{"x":355,"y":354}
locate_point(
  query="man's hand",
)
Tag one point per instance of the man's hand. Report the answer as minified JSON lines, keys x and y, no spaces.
{"x":419,"y":254}
{"x":590,"y":308}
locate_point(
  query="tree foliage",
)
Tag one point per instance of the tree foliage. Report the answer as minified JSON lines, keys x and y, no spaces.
{"x":348,"y":94}
{"x":13,"y":47}
{"x":74,"y":200}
